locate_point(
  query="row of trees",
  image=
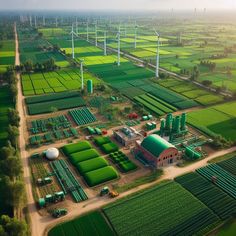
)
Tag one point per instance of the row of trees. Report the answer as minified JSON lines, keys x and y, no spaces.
{"x":29,"y":66}
{"x":11,"y":185}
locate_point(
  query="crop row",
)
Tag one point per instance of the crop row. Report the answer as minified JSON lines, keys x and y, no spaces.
{"x":222,"y":178}
{"x":156,"y":211}
{"x":213,"y":197}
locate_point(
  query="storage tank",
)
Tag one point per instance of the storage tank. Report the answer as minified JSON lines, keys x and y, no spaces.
{"x":162,"y":127}
{"x":177,"y":124}
{"x":52,"y":153}
{"x":173,"y":125}
{"x":169,"y":121}
{"x":183,"y":121}
{"x":90,"y":86}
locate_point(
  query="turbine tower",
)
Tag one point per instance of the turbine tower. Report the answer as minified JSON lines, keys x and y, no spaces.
{"x":118,"y":47}
{"x":82,"y":74}
{"x":44,"y":20}
{"x":72,"y":41}
{"x":158,"y":56}
{"x":135,"y":35}
{"x":76,"y":25}
{"x":105,"y":43}
{"x":96,"y":34}
{"x":35,"y":22}
{"x":30,"y":18}
{"x":87,"y":30}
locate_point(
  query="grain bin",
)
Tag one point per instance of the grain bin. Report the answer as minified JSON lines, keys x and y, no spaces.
{"x":177,"y":124}
{"x":169,"y":121}
{"x":90,"y":86}
{"x":183,"y":121}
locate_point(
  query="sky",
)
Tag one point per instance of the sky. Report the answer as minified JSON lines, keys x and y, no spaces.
{"x":116,"y":4}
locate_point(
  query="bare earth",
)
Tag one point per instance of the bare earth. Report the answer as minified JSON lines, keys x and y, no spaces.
{"x":41,"y":224}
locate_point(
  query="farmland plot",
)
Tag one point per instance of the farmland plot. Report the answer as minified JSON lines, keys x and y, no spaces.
{"x":158,"y":212}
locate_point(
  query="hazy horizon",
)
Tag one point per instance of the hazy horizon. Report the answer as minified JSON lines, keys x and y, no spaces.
{"x":117,"y":5}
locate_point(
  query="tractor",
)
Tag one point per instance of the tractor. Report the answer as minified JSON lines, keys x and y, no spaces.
{"x":59,"y":212}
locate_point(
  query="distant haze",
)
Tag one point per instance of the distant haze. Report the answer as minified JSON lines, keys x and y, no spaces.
{"x":116,"y":4}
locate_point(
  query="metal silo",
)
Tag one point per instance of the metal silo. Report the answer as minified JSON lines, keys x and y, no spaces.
{"x":90,"y":86}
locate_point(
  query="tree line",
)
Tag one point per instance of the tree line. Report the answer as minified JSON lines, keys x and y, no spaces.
{"x":12,"y":194}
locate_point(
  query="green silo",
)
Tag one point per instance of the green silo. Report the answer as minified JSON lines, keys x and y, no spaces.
{"x":90,"y":86}
{"x":168,"y":121}
{"x":173,"y":125}
{"x":183,"y":121}
{"x":162,"y":128}
{"x":177,"y":124}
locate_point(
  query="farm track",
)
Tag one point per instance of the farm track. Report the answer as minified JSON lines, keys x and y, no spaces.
{"x":40,"y":224}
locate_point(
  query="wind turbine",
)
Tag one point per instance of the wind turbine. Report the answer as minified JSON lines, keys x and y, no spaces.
{"x":56,"y":22}
{"x":87,"y":31}
{"x":96,"y":34}
{"x":82,"y":74}
{"x":135,"y":35}
{"x":30,"y":18}
{"x":157,"y":56}
{"x":118,"y":47}
{"x":44,"y":20}
{"x":35,"y":22}
{"x":105,"y":43}
{"x":72,"y":41}
{"x":76,"y":24}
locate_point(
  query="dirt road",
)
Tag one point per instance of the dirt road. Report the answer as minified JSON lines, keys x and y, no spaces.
{"x":39,"y":224}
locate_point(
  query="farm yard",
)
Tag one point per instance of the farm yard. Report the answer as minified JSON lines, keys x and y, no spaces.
{"x":89,"y":92}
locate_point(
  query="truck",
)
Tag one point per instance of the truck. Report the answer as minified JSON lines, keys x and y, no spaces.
{"x":113,"y":194}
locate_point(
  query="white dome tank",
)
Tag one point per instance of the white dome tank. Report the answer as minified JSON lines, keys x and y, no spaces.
{"x":52,"y":153}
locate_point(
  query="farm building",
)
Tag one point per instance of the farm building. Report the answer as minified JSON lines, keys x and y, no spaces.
{"x":126,"y":136}
{"x":156,"y":151}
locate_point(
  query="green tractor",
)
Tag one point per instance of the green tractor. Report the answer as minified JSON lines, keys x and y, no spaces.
{"x":104,"y":191}
{"x":59,"y":212}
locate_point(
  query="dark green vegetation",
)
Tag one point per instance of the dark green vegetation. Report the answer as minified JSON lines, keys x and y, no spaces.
{"x":6,"y":103}
{"x":122,"y":161}
{"x":213,"y":197}
{"x":89,"y":164}
{"x":216,"y":120}
{"x":90,"y":224}
{"x":224,"y":180}
{"x":229,"y":165}
{"x":159,"y":213}
{"x":53,"y":102}
{"x":100,"y":175}
{"x":106,"y":145}
{"x":76,"y":147}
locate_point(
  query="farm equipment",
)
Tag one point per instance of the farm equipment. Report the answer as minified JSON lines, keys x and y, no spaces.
{"x":59,"y":212}
{"x":51,"y":198}
{"x":113,"y":194}
{"x":44,"y":181}
{"x":104,"y":191}
{"x":213,"y":179}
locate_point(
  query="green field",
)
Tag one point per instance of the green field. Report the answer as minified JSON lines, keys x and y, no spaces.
{"x":7,"y":54}
{"x":90,"y":224}
{"x":49,"y":103}
{"x":167,"y":209}
{"x":218,"y":120}
{"x":57,"y":81}
{"x":76,"y":147}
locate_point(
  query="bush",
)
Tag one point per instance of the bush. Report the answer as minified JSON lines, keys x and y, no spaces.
{"x":76,"y":147}
{"x":109,"y":147}
{"x":127,"y":166}
{"x":83,"y":156}
{"x":102,"y":140}
{"x":90,"y":165}
{"x":100,"y":176}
